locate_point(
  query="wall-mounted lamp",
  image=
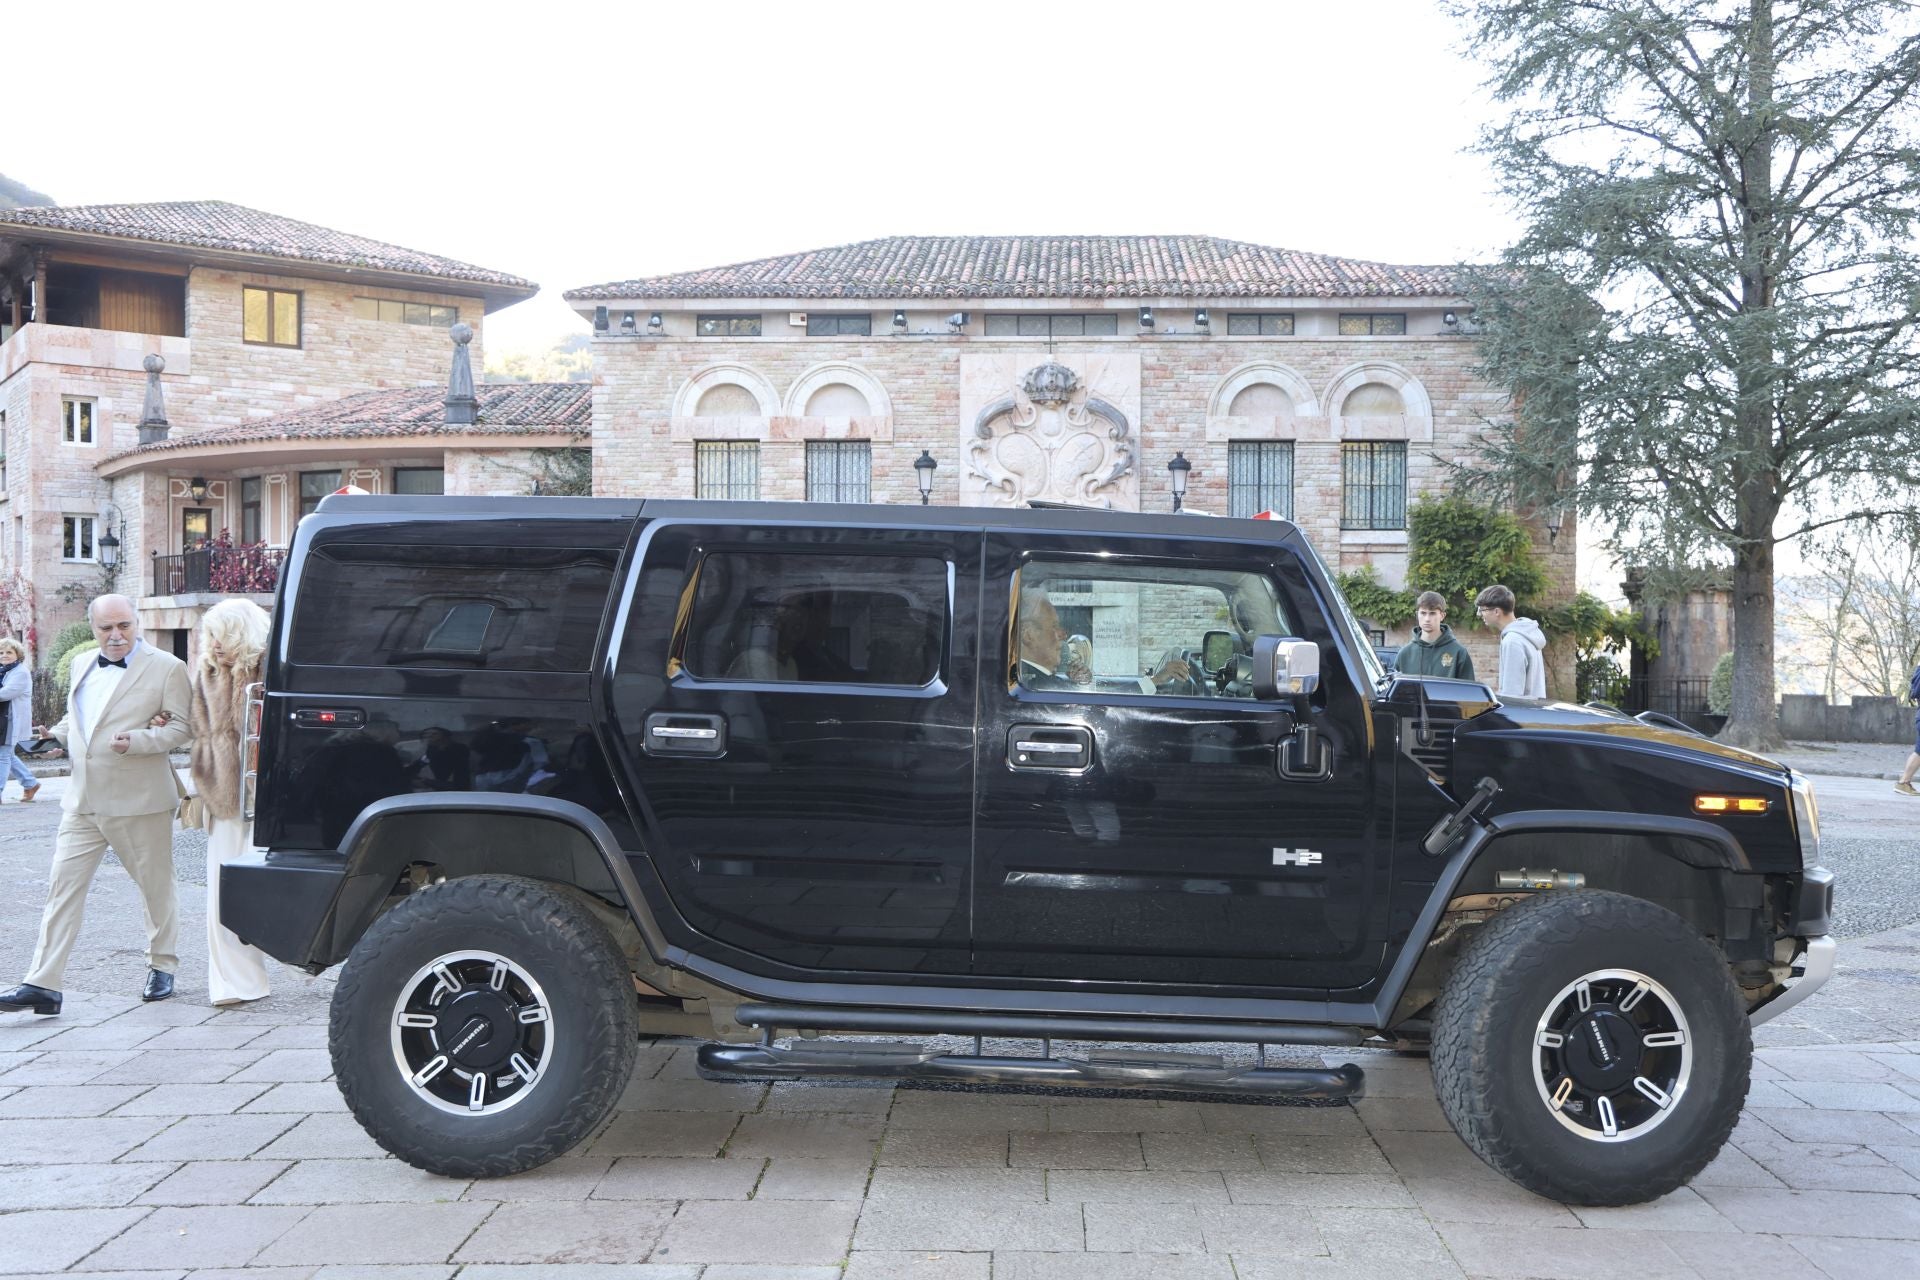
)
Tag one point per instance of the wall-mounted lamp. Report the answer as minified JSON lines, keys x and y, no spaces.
{"x":626,"y":323}
{"x":957,"y":321}
{"x":198,"y":488}
{"x":923,"y":468}
{"x":1177,"y":470}
{"x":599,"y":319}
{"x":107,"y":545}
{"x":1146,"y":317}
{"x":1201,"y":321}
{"x":900,"y":321}
{"x":1556,"y":516}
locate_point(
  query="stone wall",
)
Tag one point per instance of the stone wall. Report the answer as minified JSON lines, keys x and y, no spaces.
{"x":1810,"y":717}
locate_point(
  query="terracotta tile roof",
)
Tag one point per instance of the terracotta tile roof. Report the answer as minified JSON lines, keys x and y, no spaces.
{"x":506,"y":409}
{"x":1041,"y":267}
{"x":233,"y":228}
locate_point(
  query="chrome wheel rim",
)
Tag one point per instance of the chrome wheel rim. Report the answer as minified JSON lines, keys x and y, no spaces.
{"x":1612,"y":1055}
{"x":472,"y":1033}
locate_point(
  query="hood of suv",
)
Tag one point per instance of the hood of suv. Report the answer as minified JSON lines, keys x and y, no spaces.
{"x":1570,"y":718}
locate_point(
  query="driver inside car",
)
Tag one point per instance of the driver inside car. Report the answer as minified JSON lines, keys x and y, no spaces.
{"x":1047,"y":658}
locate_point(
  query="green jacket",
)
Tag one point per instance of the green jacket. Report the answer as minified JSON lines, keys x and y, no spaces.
{"x":1444,"y":657}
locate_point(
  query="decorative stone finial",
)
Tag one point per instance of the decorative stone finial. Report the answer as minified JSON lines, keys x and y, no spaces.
{"x":153,"y":410}
{"x":463,"y":406}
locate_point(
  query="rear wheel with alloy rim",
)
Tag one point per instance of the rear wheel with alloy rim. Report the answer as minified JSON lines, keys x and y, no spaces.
{"x":484,"y":1026}
{"x":1593,"y":1047}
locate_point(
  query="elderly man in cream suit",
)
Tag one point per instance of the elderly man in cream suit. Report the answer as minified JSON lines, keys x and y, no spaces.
{"x":126,"y":709}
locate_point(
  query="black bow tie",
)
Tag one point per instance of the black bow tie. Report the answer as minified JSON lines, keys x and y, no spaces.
{"x":104,"y":661}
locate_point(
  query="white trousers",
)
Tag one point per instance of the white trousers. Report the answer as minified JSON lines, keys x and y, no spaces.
{"x":235,"y":971}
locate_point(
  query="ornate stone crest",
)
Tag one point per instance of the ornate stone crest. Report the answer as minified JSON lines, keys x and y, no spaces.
{"x":1051,"y":440}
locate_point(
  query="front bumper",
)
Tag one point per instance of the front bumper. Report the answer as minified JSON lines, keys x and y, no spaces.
{"x":1816,"y":966}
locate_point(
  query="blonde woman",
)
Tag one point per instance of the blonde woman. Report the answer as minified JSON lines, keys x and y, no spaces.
{"x":233,"y":642}
{"x":16,"y":716}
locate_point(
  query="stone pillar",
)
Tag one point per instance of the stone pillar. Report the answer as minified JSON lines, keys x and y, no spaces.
{"x":463,"y":406}
{"x":153,"y":409}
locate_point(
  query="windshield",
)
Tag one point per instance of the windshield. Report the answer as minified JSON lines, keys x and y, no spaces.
{"x":1356,"y":635}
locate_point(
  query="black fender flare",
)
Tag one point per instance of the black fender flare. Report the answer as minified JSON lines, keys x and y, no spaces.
{"x":1721,"y":852}
{"x":371,"y":869}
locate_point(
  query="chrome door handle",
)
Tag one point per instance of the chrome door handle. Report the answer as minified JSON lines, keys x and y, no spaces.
{"x":677,"y":731}
{"x":1050,"y":748}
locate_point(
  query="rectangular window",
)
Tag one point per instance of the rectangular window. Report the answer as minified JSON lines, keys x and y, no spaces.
{"x":1373,"y":485}
{"x":1107,"y":629}
{"x":1260,"y":324}
{"x":76,"y":539}
{"x":250,"y":524}
{"x":77,"y":421}
{"x":1376,"y":324}
{"x":838,"y":325}
{"x":388,"y":310}
{"x":419,"y":480}
{"x":1021,"y":324}
{"x":1260,"y":478}
{"x":727,"y":326}
{"x":817,"y":618}
{"x":270,"y":317}
{"x":726,"y":469}
{"x":502,"y":608}
{"x":839,"y":471}
{"x":315,"y":485}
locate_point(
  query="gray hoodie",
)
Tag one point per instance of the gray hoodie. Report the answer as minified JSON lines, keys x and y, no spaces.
{"x":1523,"y":660}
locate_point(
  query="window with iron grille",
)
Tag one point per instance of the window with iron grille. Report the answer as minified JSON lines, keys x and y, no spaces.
{"x":1091,"y":324}
{"x":1265,"y":324}
{"x":1373,"y":485}
{"x":727,"y":469}
{"x":1375,"y":324}
{"x":839,"y":471}
{"x":831,"y":324}
{"x":728,"y":326}
{"x":1260,"y":478}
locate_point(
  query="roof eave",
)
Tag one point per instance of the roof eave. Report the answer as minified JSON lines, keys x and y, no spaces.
{"x":300,"y":448}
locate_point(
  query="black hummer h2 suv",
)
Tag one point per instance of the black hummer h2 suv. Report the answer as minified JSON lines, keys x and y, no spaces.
{"x":549,"y":774}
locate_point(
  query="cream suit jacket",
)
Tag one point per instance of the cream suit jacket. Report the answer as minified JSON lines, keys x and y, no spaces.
{"x":141,"y":781}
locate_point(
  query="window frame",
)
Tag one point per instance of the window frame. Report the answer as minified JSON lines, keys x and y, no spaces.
{"x":1050,"y":317}
{"x":1372,"y":450}
{"x":253,"y":507}
{"x":453,"y":312}
{"x":840,"y":449}
{"x":1260,"y":448}
{"x":91,"y":525}
{"x":1260,"y":319}
{"x":840,"y":319}
{"x":1373,"y":319}
{"x":725,"y":449}
{"x":732,"y":320}
{"x":300,"y":489}
{"x":69,"y":425}
{"x":299,"y":315}
{"x":400,"y":471}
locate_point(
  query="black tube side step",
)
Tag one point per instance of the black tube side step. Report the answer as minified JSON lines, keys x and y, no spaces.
{"x":1027,"y":1026}
{"x":1196,"y":1073}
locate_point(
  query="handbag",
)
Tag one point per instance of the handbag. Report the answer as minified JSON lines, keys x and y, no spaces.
{"x":192,"y":812}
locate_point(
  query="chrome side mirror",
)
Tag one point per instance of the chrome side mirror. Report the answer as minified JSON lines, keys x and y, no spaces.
{"x":1285,"y":667}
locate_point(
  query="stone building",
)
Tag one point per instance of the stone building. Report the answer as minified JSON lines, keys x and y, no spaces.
{"x":1068,"y":368}
{"x":234,"y":334}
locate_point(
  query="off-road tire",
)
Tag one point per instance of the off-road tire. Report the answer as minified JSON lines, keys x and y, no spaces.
{"x":548,"y":933}
{"x":1487,"y":1018}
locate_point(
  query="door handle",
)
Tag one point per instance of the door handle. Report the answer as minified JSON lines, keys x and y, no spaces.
{"x":1051,"y":747}
{"x":675,"y":733}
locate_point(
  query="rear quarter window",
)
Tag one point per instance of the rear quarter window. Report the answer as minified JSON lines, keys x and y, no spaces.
{"x":467,"y":608}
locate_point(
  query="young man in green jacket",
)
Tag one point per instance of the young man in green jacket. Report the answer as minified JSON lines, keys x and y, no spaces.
{"x":1433,"y":651}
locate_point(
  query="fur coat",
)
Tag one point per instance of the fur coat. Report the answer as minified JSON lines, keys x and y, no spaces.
{"x":218,"y":718}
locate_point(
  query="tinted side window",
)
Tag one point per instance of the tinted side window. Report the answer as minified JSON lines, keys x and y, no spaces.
{"x":501,"y":608}
{"x":817,"y":618}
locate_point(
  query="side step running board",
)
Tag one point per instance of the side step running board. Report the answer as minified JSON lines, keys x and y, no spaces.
{"x":1199,"y":1073}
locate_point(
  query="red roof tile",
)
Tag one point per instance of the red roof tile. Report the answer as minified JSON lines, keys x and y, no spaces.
{"x":1041,"y":267}
{"x":216,"y":224}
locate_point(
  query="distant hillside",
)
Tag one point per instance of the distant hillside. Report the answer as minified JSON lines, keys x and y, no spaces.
{"x":13,"y":195}
{"x":569,"y":359}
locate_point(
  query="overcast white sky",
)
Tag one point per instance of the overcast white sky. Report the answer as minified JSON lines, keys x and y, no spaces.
{"x":580,"y":143}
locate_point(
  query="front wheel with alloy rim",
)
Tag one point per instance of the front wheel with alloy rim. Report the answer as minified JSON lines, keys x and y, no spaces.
{"x":483,"y":1026}
{"x":1593,"y":1047}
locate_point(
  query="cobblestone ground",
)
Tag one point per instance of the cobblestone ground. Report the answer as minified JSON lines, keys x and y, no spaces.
{"x":170,"y":1140}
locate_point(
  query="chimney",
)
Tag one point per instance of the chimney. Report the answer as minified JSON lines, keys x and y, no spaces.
{"x":153,"y":410}
{"x":463,"y":407}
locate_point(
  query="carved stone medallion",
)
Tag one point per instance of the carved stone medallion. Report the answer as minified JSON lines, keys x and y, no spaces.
{"x":1047,"y":432}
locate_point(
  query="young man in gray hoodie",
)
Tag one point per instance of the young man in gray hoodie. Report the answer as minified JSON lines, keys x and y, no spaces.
{"x":1523,"y":646}
{"x":1433,"y":651}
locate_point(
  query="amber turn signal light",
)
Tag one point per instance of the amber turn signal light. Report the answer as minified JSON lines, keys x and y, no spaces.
{"x":1730,"y":804}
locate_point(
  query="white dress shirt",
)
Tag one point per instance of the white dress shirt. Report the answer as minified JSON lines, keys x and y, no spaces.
{"x":95,"y":690}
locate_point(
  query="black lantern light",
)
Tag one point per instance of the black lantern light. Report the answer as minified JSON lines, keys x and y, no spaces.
{"x":1177,"y":474}
{"x":198,"y":488}
{"x":923,"y":469}
{"x":1556,"y":515}
{"x":108,"y":548}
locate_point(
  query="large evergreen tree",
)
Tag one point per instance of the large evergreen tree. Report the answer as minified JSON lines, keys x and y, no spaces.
{"x":1710,"y":322}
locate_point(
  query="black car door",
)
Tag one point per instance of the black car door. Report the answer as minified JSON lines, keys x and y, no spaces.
{"x":1136,"y":829}
{"x":796,"y":703}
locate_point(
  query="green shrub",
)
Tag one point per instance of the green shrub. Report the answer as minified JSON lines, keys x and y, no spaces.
{"x":1720,"y":686}
{"x":1456,"y":546}
{"x":69,"y":638}
{"x":1598,"y":678}
{"x":1373,"y":599}
{"x":63,"y":669}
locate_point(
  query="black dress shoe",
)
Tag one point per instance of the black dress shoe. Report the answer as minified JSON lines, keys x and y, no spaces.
{"x":159,"y":986}
{"x":27,"y":996}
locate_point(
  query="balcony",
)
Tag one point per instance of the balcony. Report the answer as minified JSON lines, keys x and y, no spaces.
{"x":219,"y":569}
{"x":92,"y":349}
